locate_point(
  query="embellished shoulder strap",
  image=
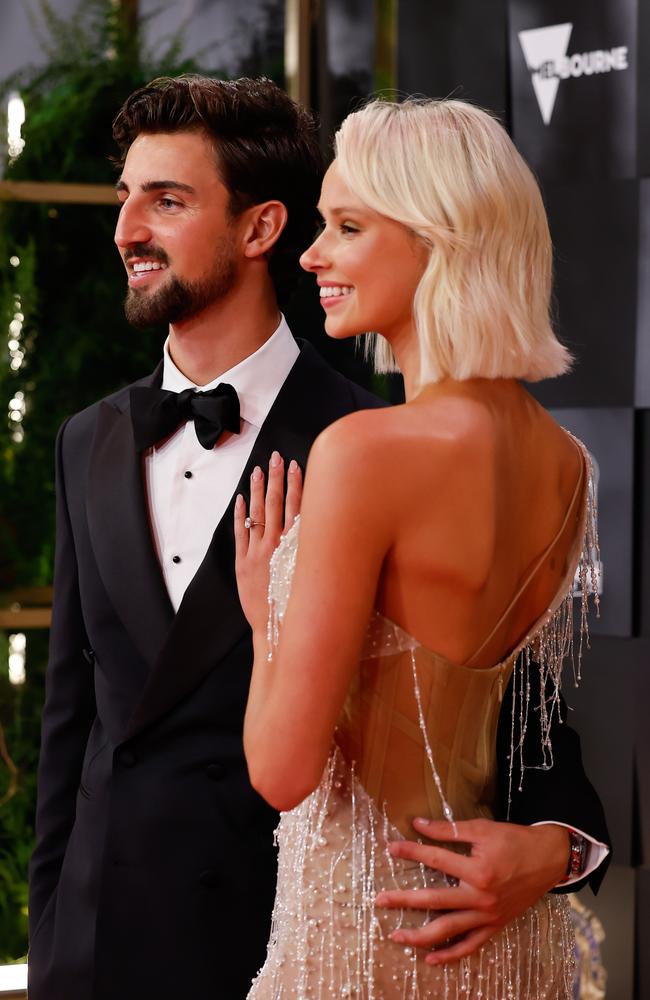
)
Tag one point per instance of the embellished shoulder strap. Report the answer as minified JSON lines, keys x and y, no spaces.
{"x":551,"y":642}
{"x":539,"y":562}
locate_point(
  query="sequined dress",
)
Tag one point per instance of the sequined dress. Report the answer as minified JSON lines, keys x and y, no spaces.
{"x":416,"y":738}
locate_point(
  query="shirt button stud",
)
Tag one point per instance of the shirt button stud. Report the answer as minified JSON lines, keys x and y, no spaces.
{"x":176,"y":559}
{"x":188,"y":474}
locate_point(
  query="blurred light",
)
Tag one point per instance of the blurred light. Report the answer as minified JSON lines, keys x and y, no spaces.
{"x":14,"y":261}
{"x":17,"y":652}
{"x":16,"y":357}
{"x":15,"y":122}
{"x":16,"y":354}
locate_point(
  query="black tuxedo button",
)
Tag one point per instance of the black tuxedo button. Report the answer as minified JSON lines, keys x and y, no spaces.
{"x":176,"y":559}
{"x":127,"y":757}
{"x":215,"y":771}
{"x":210,"y":878}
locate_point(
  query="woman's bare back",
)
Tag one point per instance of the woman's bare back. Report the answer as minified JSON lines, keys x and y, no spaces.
{"x":491,"y":482}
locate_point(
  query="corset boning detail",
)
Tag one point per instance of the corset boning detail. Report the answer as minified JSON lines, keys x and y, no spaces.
{"x":380,"y":733}
{"x":416,"y":737}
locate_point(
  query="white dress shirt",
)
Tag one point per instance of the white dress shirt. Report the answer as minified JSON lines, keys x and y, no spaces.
{"x":189,"y":487}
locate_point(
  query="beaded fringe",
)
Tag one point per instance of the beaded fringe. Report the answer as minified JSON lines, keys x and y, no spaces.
{"x":328,"y":939}
{"x":552,"y":645}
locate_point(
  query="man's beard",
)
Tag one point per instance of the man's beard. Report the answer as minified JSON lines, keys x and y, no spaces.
{"x":178,"y":300}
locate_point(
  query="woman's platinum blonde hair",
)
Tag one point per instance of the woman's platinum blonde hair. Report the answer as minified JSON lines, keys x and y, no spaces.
{"x":449,"y":172}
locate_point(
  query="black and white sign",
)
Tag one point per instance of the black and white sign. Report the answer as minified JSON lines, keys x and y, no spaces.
{"x":573,"y":80}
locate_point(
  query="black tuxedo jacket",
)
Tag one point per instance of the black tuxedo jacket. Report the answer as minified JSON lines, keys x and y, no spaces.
{"x":154,"y":868}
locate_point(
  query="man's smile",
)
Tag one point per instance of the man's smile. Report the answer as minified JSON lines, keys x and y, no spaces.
{"x":144,"y":271}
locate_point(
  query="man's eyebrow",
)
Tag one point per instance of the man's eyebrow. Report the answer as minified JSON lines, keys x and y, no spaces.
{"x":168,"y":185}
{"x":158,"y":186}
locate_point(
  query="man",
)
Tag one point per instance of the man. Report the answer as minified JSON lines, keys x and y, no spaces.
{"x":154,"y":870}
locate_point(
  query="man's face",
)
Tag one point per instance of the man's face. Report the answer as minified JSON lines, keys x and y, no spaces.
{"x":174,"y":231}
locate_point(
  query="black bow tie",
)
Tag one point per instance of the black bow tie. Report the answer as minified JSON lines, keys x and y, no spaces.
{"x":156,"y":413}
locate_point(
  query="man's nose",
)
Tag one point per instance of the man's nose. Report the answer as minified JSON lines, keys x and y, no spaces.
{"x":131,"y":227}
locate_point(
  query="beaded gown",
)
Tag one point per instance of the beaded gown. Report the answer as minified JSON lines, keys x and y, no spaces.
{"x":416,"y":737}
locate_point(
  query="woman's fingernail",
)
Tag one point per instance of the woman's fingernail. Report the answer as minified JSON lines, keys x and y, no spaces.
{"x":396,"y":936}
{"x":420,"y":821}
{"x":257,"y":473}
{"x":293,"y":465}
{"x":380,"y":899}
{"x":276,"y":458}
{"x":393,"y":847}
{"x":239,"y":502}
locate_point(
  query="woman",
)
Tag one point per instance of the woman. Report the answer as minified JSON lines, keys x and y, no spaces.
{"x":461,"y":515}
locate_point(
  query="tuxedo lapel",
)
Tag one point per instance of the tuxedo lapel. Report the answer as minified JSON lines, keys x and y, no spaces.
{"x":210,"y":621}
{"x":119,"y":529}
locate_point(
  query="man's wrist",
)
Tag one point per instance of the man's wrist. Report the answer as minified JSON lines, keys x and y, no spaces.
{"x":553,"y":844}
{"x":595,"y":852}
{"x":577,"y":856}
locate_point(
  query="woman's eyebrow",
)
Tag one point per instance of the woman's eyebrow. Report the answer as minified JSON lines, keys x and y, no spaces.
{"x":342,"y":210}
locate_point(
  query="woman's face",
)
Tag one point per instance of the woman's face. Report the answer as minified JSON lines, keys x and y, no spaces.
{"x":367,"y":266}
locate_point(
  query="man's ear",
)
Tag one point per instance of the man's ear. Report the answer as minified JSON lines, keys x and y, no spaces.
{"x":263,"y":227}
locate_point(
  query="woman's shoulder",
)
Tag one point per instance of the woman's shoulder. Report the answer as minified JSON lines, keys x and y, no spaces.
{"x":355,"y":433}
{"x":445,"y":429}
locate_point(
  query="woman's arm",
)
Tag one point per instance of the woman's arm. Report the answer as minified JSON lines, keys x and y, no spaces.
{"x":296,"y":698}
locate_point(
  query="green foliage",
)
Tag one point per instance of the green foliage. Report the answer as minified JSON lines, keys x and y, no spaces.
{"x":19,"y":719}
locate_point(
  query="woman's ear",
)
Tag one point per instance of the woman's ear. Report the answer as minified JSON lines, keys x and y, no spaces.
{"x":264,"y":225}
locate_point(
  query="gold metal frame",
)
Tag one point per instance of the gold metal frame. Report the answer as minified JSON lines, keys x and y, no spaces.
{"x":25,"y":608}
{"x":297,"y":45}
{"x":73,"y":194}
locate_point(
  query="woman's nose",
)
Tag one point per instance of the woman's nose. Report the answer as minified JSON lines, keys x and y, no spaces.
{"x":313,"y":259}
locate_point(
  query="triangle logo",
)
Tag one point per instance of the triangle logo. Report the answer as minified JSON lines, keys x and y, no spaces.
{"x":543,"y":48}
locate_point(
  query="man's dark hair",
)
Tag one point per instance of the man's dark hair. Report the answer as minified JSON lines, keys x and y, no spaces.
{"x":266,"y":147}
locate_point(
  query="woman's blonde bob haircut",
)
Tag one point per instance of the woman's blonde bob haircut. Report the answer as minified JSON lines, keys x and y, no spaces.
{"x":449,"y":172}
